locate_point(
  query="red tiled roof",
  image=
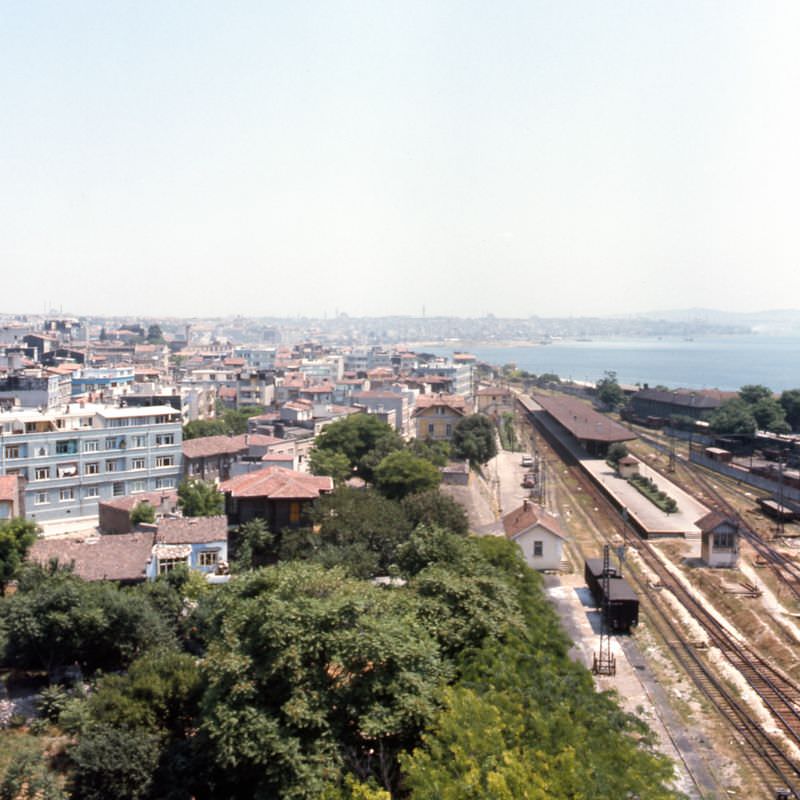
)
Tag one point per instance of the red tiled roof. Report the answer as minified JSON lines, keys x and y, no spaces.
{"x":455,"y":402}
{"x":130,"y":501}
{"x":494,"y":390}
{"x":113,"y":557}
{"x":582,"y":421}
{"x":528,"y":515}
{"x":9,"y":488}
{"x":276,"y":482}
{"x":713,"y":520}
{"x":192,"y":530}
{"x":209,"y":446}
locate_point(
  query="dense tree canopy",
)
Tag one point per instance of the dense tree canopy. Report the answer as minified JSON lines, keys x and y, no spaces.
{"x":474,"y":439}
{"x":402,"y":473}
{"x":432,"y":508}
{"x":330,"y":462}
{"x":790,"y":402}
{"x":363,"y":439}
{"x":143,"y":512}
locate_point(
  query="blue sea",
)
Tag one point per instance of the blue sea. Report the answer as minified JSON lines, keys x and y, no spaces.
{"x":721,"y":362}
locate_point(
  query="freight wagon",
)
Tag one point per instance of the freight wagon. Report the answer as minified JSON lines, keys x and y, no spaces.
{"x":623,"y":604}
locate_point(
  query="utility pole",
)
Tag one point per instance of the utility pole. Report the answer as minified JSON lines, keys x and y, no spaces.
{"x":604,"y":660}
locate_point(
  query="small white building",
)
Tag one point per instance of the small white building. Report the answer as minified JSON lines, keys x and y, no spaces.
{"x":538,"y":534}
{"x":719,"y":540}
{"x":628,"y":466}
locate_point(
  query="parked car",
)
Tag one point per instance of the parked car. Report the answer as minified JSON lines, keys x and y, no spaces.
{"x":527,"y":461}
{"x":529,"y":480}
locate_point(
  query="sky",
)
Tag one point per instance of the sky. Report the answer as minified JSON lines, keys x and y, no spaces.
{"x":462,"y":158}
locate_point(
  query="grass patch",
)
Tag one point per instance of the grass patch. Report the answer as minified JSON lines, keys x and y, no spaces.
{"x":650,"y":490}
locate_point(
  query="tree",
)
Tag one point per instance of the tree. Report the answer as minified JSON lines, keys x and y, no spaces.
{"x":155,"y":335}
{"x":355,"y":522}
{"x":198,"y":498}
{"x":143,"y":512}
{"x":733,"y":416}
{"x":790,"y":402}
{"x":617,"y":451}
{"x":769,"y":415}
{"x":437,"y":452}
{"x":332,"y":463}
{"x":16,"y":537}
{"x":114,"y":762}
{"x":310,"y":674}
{"x":253,"y":544}
{"x":402,"y":473}
{"x":609,"y":391}
{"x":55,"y":618}
{"x":474,"y":439}
{"x":363,"y":438}
{"x":432,"y":508}
{"x":28,"y":777}
{"x":200,"y":428}
{"x":752,"y":393}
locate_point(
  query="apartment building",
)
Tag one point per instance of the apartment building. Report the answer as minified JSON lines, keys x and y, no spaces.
{"x":71,"y":458}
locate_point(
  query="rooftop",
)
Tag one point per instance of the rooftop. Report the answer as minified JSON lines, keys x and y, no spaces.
{"x":527,"y":516}
{"x":192,"y":530}
{"x":277,"y":483}
{"x":581,"y":420}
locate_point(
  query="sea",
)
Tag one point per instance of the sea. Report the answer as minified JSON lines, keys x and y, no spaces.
{"x":713,"y":362}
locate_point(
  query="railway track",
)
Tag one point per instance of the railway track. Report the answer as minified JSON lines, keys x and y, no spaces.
{"x":778,"y":692}
{"x":785,"y":569}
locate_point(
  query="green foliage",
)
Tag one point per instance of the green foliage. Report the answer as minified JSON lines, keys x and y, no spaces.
{"x":252,"y":544}
{"x":650,"y":490}
{"x":616,"y":451}
{"x":546,"y":378}
{"x":432,"y":508}
{"x":363,"y":439}
{"x":16,"y":537}
{"x":428,"y":546}
{"x":114,"y":762}
{"x":508,"y":431}
{"x":52,"y":701}
{"x":29,"y":777}
{"x":198,"y":498}
{"x":474,"y":439}
{"x":790,"y":402}
{"x":311,"y":673}
{"x":733,"y":416}
{"x":357,"y":528}
{"x":525,"y":721}
{"x":753,"y":393}
{"x":143,"y":512}
{"x":332,"y":463}
{"x":609,"y":391}
{"x":402,"y":473}
{"x":437,"y":452}
{"x":770,"y":416}
{"x":229,"y":422}
{"x":56,"y":619}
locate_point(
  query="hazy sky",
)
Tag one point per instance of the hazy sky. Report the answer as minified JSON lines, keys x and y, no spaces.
{"x":518,"y":158}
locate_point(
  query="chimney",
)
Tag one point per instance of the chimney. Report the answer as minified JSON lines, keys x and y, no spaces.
{"x":525,"y":504}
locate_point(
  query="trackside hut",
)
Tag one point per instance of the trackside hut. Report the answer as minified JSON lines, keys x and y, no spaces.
{"x":537,"y":533}
{"x":593,"y":431}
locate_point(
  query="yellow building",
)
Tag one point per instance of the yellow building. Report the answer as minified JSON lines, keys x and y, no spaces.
{"x":436,"y":416}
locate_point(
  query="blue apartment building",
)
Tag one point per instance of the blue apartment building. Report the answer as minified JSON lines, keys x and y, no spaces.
{"x":72,"y":457}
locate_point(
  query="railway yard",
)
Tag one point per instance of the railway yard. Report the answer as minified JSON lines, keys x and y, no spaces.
{"x":716,"y":651}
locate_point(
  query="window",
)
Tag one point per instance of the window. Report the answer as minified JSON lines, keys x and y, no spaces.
{"x":112,"y":466}
{"x":163,"y":439}
{"x":67,"y":470}
{"x":294,"y":511}
{"x":724,"y":541}
{"x":441,"y":410}
{"x":111,"y":443}
{"x":66,"y":494}
{"x":165,"y":461}
{"x":41,"y":498}
{"x":42,"y":473}
{"x":207,"y":558}
{"x":138,"y":486}
{"x":66,"y":446}
{"x":137,"y":442}
{"x":165,"y":483}
{"x":431,"y":427}
{"x":137,"y":463}
{"x":92,"y":491}
{"x":92,"y":468}
{"x":90,"y":446}
{"x":538,"y":548}
{"x":118,"y":489}
{"x":12,"y":451}
{"x":449,"y":429}
{"x":168,"y":564}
